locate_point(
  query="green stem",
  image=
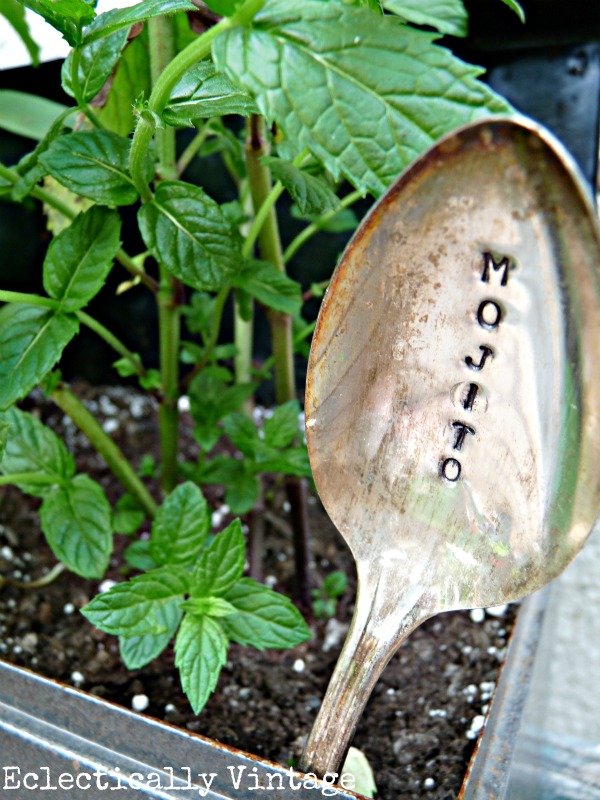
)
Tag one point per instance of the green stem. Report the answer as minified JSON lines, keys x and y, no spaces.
{"x":316,"y":226}
{"x":162,"y":48}
{"x":261,"y":190}
{"x":101,"y":441}
{"x":127,"y":261}
{"x":45,"y":580}
{"x":169,"y":335}
{"x":111,"y":340}
{"x":243,"y":329}
{"x":8,"y":174}
{"x":244,"y":341}
{"x":14,"y":177}
{"x":169,"y":77}
{"x":261,"y":217}
{"x":53,"y":202}
{"x":144,"y":131}
{"x":188,"y":155}
{"x":265,"y":209}
{"x":38,"y":478}
{"x":259,"y":177}
{"x":303,"y":334}
{"x":28,"y":299}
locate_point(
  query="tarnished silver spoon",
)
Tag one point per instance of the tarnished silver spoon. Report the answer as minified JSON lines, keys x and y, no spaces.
{"x":453,"y":399}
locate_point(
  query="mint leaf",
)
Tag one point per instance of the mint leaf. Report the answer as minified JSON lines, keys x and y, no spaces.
{"x":311,"y":194}
{"x":4,"y":428}
{"x":203,"y":93}
{"x":97,"y":62}
{"x":242,"y":432}
{"x":242,"y":491}
{"x":75,"y":519}
{"x":380,"y":91}
{"x":374,"y":5}
{"x":29,"y":167}
{"x":133,"y":608}
{"x":80,"y":257}
{"x":27,"y":114}
{"x":269,"y":285}
{"x":131,"y":79}
{"x":137,"y":651}
{"x":221,"y":564}
{"x":137,"y":555}
{"x":220,"y":469}
{"x":335,"y":584}
{"x":208,"y":606}
{"x":281,"y":428}
{"x":67,"y":16}
{"x":357,"y":765}
{"x":446,"y":16}
{"x":94,"y":164}
{"x":33,"y":447}
{"x":180,"y":528}
{"x":198,"y":314}
{"x":210,"y":400}
{"x":31,"y":341}
{"x":189,"y":234}
{"x":291,"y":461}
{"x":517,"y":8}
{"x":264,"y":619}
{"x":224,"y":8}
{"x":200,"y":653}
{"x":118,"y":18}
{"x":14,"y":13}
{"x":242,"y":486}
{"x":127,"y":516}
{"x":125,"y":366}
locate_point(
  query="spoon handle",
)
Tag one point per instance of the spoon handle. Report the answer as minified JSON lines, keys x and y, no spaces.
{"x":376,"y":632}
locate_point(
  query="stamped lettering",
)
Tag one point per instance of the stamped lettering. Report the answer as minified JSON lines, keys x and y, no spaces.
{"x":490,"y":314}
{"x":489,"y":262}
{"x":462,"y":429}
{"x":470,"y":397}
{"x":451,"y":470}
{"x":486,"y":352}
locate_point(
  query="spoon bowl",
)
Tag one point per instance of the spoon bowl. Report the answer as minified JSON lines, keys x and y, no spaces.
{"x":452,"y":399}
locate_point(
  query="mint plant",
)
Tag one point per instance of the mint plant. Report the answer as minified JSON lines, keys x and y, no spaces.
{"x":270,"y":449}
{"x":325,"y":599}
{"x":335,"y":99}
{"x":195,"y":592}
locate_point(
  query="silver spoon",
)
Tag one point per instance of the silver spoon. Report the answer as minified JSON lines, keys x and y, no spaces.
{"x":452,"y":408}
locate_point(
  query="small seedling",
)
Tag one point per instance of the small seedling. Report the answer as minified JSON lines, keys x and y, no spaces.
{"x":325,"y":599}
{"x":194,"y":591}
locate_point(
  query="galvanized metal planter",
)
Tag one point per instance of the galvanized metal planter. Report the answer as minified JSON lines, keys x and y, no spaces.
{"x":489,"y":770}
{"x":48,"y":729}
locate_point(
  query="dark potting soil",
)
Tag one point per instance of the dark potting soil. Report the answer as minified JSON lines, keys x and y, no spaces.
{"x":421,"y":724}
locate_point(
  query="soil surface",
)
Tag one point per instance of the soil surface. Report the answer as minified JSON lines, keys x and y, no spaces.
{"x":421,"y":724}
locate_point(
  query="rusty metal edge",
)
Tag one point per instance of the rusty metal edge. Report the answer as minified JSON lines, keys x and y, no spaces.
{"x":48,"y":729}
{"x":489,"y":770}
